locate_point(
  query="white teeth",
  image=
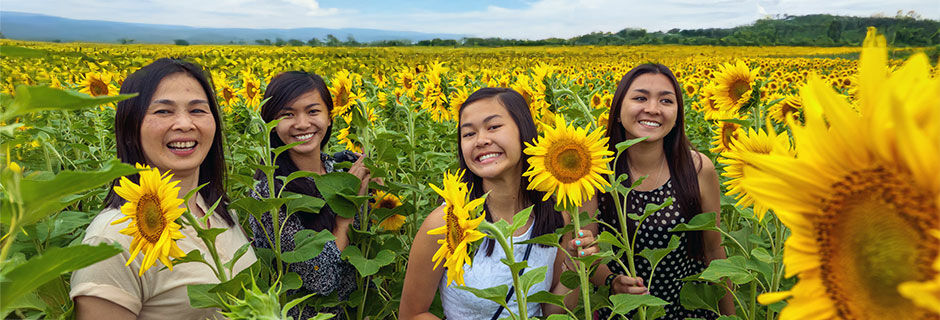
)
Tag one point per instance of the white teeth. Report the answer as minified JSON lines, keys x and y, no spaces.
{"x":487,"y":156}
{"x":304,"y":137}
{"x":649,"y":123}
{"x":182,"y":144}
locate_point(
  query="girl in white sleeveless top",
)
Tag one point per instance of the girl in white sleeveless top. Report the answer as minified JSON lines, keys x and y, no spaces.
{"x":494,"y":123}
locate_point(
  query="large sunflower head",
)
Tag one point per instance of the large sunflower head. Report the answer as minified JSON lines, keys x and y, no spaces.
{"x":459,"y":230}
{"x":152,"y":208}
{"x":862,"y":194}
{"x":786,"y":108}
{"x":568,"y":162}
{"x":98,"y":84}
{"x":734,"y":85}
{"x":761,"y":142}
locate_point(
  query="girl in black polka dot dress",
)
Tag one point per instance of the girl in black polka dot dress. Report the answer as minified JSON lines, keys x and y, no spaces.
{"x":648,"y":103}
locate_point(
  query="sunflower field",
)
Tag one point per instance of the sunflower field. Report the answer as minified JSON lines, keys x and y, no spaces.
{"x":829,"y":160}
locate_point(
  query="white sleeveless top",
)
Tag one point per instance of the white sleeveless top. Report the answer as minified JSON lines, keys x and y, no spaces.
{"x":489,"y":272}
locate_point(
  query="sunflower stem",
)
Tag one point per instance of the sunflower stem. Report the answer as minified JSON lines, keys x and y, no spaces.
{"x":510,"y":256}
{"x":582,"y":273}
{"x":210,"y":244}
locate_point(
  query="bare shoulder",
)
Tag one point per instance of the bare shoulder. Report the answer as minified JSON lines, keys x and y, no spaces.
{"x":703,"y":165}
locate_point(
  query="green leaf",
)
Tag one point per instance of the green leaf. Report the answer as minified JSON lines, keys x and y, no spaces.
{"x":547,"y":297}
{"x":607,"y":237}
{"x":307,"y":245}
{"x":733,"y":268}
{"x":44,"y":197}
{"x":303,"y":202}
{"x":728,"y":318}
{"x":30,"y":99}
{"x":21,"y":52}
{"x":291,"y":281}
{"x":698,"y":295}
{"x":656,"y":255}
{"x":340,"y":190}
{"x":558,"y":317}
{"x":238,"y":254}
{"x":702,"y":221}
{"x":54,"y":262}
{"x":365,"y":266}
{"x":762,"y":255}
{"x":201,"y":297}
{"x":570,"y":279}
{"x":296,"y":175}
{"x":626,"y":144}
{"x":210,"y":234}
{"x":548,"y":239}
{"x":496,"y":294}
{"x":655,"y":312}
{"x":742,"y":122}
{"x":192,"y":256}
{"x":519,"y":219}
{"x":624,"y":303}
{"x":532,"y":277}
{"x":292,"y":303}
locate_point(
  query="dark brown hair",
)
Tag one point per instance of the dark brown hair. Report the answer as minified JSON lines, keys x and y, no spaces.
{"x":281,"y":92}
{"x":130,"y":115}
{"x":676,"y":146}
{"x":546,"y":218}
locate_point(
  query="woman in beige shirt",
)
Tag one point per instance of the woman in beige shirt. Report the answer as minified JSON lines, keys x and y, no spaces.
{"x":173,"y":124}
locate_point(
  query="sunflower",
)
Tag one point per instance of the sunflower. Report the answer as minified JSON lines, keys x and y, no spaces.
{"x":344,"y":96}
{"x":344,"y":138}
{"x":153,"y":207}
{"x":251,"y":91}
{"x":862,"y":194}
{"x":725,"y":131}
{"x":734,"y":85}
{"x":783,"y":109}
{"x":751,"y":142}
{"x":98,"y":84}
{"x":388,"y":201}
{"x":568,"y":162}
{"x":459,"y":229}
{"x":925,"y":294}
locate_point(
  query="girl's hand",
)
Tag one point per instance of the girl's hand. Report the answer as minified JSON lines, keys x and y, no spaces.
{"x":359,"y":170}
{"x":583,"y":244}
{"x":630,"y":285}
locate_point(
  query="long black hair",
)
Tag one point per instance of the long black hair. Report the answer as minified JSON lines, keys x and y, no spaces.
{"x":281,"y":92}
{"x":546,"y":218}
{"x":130,"y":115}
{"x":678,"y":152}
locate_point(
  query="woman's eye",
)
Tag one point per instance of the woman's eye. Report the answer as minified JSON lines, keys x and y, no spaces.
{"x":666,"y":101}
{"x":314,"y":111}
{"x":199,"y":110}
{"x":286,"y":115}
{"x":467,"y":134}
{"x":162,"y":111}
{"x":494,"y":127}
{"x":639,"y":98}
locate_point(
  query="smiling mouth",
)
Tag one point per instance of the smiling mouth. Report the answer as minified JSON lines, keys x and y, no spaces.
{"x":487,"y":156}
{"x":304,"y":137}
{"x":652,"y":124}
{"x":182,"y":145}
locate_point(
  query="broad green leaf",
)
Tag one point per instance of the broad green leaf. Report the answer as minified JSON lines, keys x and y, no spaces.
{"x":624,"y":303}
{"x":607,"y":237}
{"x":547,"y":297}
{"x":733,"y":268}
{"x":307,"y":245}
{"x":40,"y":98}
{"x":365,"y":266}
{"x":296,"y":175}
{"x":548,"y":239}
{"x":292,"y":303}
{"x":496,"y":294}
{"x":570,"y":279}
{"x":192,"y":256}
{"x":558,"y":317}
{"x":655,"y":312}
{"x":519,"y":219}
{"x":698,"y":295}
{"x":44,"y":197}
{"x":339,"y":189}
{"x":532,"y":277}
{"x":210,"y":234}
{"x":729,"y":318}
{"x":702,"y":221}
{"x":291,"y":281}
{"x":238,"y":254}
{"x":656,"y":255}
{"x":762,"y":255}
{"x":626,"y":144}
{"x":200,"y":297}
{"x":303,"y":202}
{"x":54,"y":262}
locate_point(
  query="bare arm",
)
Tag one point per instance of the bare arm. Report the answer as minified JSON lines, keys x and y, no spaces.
{"x":89,"y":307}
{"x":421,"y":279}
{"x":710,"y":193}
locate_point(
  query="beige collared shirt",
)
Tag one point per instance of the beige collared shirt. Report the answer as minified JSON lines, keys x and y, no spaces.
{"x":158,"y":294}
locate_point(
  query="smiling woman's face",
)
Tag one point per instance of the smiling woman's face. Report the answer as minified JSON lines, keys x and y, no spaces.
{"x":649,"y":107}
{"x":178,"y":129}
{"x":489,"y":139}
{"x":304,"y":119}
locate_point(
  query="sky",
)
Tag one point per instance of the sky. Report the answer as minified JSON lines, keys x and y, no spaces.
{"x":531,"y":19}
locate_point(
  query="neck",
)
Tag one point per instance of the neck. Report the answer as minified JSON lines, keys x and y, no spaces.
{"x":187,"y":182}
{"x":646,"y":157}
{"x":505,"y":197}
{"x":307,"y":162}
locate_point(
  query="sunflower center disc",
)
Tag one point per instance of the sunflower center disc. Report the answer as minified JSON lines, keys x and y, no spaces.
{"x":98,"y":88}
{"x":738,"y":89}
{"x":873,"y":236}
{"x":387,"y":204}
{"x":569,"y":163}
{"x":728,"y":134}
{"x":150,"y":220}
{"x":454,"y":232}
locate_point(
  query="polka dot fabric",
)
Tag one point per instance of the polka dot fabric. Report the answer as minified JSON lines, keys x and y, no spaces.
{"x":654,"y":233}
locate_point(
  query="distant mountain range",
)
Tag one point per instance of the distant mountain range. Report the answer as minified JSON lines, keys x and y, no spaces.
{"x":38,"y":27}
